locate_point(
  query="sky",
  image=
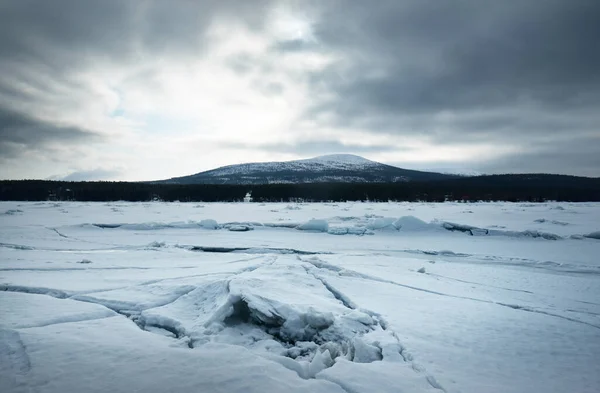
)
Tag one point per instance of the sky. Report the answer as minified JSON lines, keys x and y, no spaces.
{"x":153,"y":89}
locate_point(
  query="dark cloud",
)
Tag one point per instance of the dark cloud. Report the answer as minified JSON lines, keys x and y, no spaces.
{"x":64,"y":33}
{"x":569,"y":156}
{"x":306,"y":148}
{"x":43,"y":31}
{"x":20,"y":133}
{"x":408,"y":56}
{"x":460,"y":71}
{"x":63,"y":36}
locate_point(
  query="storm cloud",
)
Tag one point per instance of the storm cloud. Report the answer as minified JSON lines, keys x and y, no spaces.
{"x":524,"y":73}
{"x":20,"y":133}
{"x":159,"y":88}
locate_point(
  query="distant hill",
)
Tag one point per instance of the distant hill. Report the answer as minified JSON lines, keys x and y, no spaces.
{"x":336,"y":168}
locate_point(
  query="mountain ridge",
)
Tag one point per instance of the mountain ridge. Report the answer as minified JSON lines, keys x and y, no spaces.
{"x":344,"y":168}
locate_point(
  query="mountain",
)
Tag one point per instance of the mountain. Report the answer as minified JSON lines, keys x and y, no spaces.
{"x":343,"y":168}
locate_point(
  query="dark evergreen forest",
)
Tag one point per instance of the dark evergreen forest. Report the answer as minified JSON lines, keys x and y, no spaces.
{"x":533,"y":188}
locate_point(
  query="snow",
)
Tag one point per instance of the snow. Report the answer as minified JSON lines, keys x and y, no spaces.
{"x":331,"y":297}
{"x":355,"y":377}
{"x":23,"y":310}
{"x":113,"y":355}
{"x":332,"y":161}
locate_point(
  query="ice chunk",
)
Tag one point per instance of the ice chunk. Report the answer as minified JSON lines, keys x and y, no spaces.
{"x":451,"y":226}
{"x":381,"y":223}
{"x":338,"y":231}
{"x":536,"y":234}
{"x":593,"y":235}
{"x":314,"y":225}
{"x":361,"y":317}
{"x":12,"y":212}
{"x":357,"y":231}
{"x":320,"y":362}
{"x":411,"y":223}
{"x":239,"y":228}
{"x":365,"y":353}
{"x":156,"y":244}
{"x":208,"y":224}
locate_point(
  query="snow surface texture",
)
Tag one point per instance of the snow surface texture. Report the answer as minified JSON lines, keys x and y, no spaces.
{"x":155,"y":297}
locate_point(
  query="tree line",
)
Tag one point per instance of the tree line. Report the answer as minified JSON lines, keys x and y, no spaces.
{"x":533,"y":188}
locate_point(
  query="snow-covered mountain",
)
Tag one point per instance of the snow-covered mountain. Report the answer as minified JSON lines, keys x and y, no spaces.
{"x":345,"y":168}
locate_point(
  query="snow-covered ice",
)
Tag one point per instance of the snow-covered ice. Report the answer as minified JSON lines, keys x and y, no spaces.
{"x":330,"y":297}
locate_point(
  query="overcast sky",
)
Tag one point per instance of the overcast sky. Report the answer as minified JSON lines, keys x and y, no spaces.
{"x":152,"y":89}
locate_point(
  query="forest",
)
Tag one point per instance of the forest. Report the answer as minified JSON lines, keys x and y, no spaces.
{"x":526,"y":187}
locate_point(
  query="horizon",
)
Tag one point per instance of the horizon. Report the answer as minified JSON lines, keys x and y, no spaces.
{"x":147,"y":90}
{"x":76,"y":178}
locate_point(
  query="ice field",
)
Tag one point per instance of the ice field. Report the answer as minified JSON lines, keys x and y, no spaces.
{"x":299,"y":297}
